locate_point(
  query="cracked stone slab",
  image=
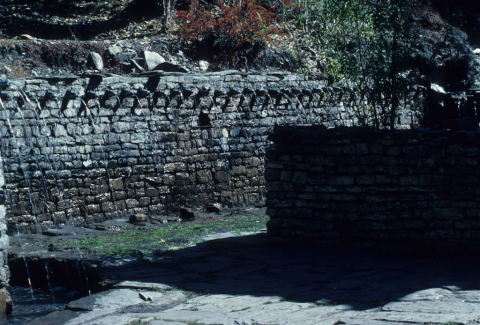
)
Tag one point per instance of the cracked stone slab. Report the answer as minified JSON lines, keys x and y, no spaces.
{"x":141,"y":285}
{"x":110,"y":298}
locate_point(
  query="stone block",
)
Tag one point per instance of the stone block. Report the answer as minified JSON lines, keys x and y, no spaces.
{"x":342,"y":180}
{"x":299,"y":177}
{"x":117,"y":184}
{"x":365,"y":179}
{"x":132,"y":203}
{"x":362,"y":149}
{"x":450,"y":213}
{"x":443,"y":234}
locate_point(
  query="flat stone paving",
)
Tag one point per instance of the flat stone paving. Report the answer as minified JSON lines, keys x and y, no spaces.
{"x":248,"y":280}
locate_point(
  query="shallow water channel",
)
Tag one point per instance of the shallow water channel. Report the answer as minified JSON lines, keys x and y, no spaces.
{"x":27,"y":309}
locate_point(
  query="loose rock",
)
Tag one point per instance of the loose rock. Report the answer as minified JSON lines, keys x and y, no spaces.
{"x":114,"y":49}
{"x":214,"y":207}
{"x":138,"y":218}
{"x":152,"y":60}
{"x":188,"y":214}
{"x":95,"y":61}
{"x":203,"y":65}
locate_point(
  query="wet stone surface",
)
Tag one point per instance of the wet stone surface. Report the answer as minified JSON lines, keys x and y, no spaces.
{"x":256,"y":279}
{"x":43,"y":302}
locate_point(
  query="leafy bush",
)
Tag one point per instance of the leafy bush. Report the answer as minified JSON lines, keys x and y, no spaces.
{"x":240,"y":29}
{"x":366,"y":45}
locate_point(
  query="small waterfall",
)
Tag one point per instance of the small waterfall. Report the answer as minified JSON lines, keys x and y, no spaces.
{"x":9,"y":199}
{"x":24,"y":169}
{"x":104,"y":155}
{"x":49,"y":281}
{"x":249,"y":140}
{"x":223,"y":134}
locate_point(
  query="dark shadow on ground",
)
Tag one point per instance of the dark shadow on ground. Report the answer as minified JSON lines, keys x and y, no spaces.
{"x":255,"y":265}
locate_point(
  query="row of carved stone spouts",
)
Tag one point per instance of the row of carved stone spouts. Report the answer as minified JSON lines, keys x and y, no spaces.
{"x":185,"y":93}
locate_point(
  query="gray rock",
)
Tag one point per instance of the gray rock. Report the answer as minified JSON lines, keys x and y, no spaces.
{"x":82,"y":304}
{"x":141,"y":285}
{"x":114,"y":50}
{"x":203,"y":65}
{"x":125,"y":56}
{"x":152,"y":60}
{"x":165,"y":219}
{"x":58,"y":232}
{"x":145,"y":296}
{"x":4,"y":83}
{"x":60,"y":131}
{"x":106,"y":299}
{"x":95,"y":61}
{"x":170,"y":67}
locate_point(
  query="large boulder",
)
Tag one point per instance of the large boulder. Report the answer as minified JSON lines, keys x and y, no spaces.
{"x":152,"y":60}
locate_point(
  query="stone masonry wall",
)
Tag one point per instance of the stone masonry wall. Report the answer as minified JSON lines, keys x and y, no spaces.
{"x":5,"y":300}
{"x":84,"y":149}
{"x":414,"y":190}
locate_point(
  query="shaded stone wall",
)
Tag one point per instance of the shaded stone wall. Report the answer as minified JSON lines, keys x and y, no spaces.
{"x":5,"y":301}
{"x":414,"y":190}
{"x":84,"y":149}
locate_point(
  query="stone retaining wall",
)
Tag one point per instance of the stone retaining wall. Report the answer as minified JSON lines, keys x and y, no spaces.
{"x":414,"y":190}
{"x":5,"y":300}
{"x":169,"y":140}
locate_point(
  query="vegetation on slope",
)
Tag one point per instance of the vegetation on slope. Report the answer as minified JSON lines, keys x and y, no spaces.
{"x":379,"y":47}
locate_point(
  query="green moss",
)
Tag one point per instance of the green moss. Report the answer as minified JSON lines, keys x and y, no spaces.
{"x":156,"y":242}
